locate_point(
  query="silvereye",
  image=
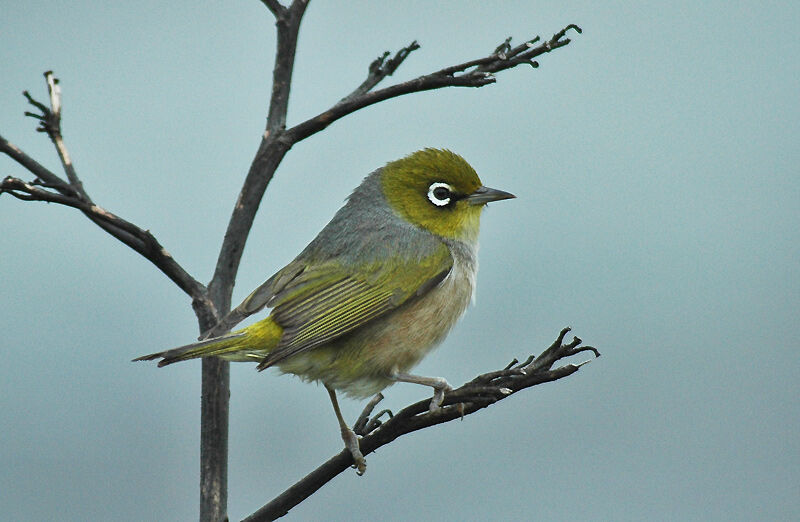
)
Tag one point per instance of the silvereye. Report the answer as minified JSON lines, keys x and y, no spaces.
{"x":378,"y":288}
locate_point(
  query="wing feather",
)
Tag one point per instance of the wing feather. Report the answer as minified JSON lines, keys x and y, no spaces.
{"x":322,"y":303}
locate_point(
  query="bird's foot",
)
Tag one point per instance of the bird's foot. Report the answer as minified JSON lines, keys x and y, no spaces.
{"x":439,"y":389}
{"x":439,"y":384}
{"x":351,"y":443}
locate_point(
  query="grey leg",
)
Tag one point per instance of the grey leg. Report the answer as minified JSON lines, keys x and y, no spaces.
{"x":350,"y":439}
{"x":439,"y":385}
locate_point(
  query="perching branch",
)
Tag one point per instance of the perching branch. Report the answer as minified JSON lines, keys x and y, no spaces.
{"x":481,"y":392}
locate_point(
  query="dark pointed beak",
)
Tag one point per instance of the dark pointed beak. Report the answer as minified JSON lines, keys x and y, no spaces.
{"x":485,"y":194}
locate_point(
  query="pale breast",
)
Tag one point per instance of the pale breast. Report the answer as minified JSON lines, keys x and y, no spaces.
{"x":421,"y":325}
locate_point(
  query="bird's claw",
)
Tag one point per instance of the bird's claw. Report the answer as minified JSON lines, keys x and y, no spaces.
{"x":351,"y":443}
{"x":360,"y":463}
{"x":438,"y":396}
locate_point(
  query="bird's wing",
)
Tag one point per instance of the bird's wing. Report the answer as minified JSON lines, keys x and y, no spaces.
{"x":321,"y":302}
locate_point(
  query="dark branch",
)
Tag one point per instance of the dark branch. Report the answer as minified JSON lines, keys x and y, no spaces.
{"x":275,"y":7}
{"x":379,"y":69}
{"x":474,"y":73}
{"x":215,"y":385}
{"x":287,"y":21}
{"x":481,"y":392}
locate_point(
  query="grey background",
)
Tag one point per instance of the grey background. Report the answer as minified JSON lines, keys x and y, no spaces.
{"x":656,"y":164}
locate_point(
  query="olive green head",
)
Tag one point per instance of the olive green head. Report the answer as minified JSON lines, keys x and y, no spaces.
{"x":438,"y":191}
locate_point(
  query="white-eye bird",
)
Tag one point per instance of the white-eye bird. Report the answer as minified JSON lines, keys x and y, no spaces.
{"x":378,"y":288}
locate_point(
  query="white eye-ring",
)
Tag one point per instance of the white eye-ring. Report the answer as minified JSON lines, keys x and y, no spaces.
{"x":440,"y":193}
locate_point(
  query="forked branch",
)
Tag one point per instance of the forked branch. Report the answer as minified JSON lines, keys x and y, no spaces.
{"x":51,"y":188}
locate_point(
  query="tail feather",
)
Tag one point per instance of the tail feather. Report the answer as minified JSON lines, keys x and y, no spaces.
{"x":249,"y":344}
{"x":219,"y":346}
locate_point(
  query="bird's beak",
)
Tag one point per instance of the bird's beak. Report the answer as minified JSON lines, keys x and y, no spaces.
{"x":485,"y":194}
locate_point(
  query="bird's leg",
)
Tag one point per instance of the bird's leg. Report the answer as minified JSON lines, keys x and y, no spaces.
{"x":439,"y":385}
{"x":348,"y":436}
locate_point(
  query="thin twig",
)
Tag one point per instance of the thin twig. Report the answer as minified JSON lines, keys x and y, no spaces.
{"x":71,"y":193}
{"x":41,"y":172}
{"x":473,"y":73}
{"x":50,"y":122}
{"x":379,"y":69}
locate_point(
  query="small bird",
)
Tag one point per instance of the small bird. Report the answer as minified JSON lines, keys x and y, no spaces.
{"x":378,"y":288}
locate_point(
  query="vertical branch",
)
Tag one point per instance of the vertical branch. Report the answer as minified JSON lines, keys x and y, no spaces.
{"x":287,"y":22}
{"x":215,"y":392}
{"x":214,"y":414}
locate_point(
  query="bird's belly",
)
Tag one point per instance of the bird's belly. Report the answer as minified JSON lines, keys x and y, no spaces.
{"x":360,"y":364}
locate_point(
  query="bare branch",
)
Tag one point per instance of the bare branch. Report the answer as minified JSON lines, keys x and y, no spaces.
{"x":474,"y":73}
{"x":216,"y":373}
{"x":50,"y":122}
{"x":379,"y":69}
{"x":72,"y":194}
{"x":275,"y":7}
{"x":288,"y":25}
{"x":41,"y":172}
{"x":479,"y":393}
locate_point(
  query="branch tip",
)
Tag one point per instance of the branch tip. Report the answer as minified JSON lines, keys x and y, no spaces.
{"x":502,"y":50}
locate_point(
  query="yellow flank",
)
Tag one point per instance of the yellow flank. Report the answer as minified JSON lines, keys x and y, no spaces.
{"x":260,"y":339}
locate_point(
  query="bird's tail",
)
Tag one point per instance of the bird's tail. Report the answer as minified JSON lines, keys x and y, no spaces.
{"x":249,"y":344}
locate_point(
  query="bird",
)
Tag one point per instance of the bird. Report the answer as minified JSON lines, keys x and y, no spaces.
{"x":376,"y":290}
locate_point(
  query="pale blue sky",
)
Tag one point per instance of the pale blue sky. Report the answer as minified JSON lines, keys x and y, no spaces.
{"x":655,"y":161}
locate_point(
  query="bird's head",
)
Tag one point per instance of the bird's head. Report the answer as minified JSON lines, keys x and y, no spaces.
{"x":439,"y":191}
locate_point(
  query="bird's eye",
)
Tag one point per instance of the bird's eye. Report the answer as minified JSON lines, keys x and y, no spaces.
{"x":440,"y":194}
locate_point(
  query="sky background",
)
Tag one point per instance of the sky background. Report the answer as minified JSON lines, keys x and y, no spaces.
{"x":655,"y":160}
